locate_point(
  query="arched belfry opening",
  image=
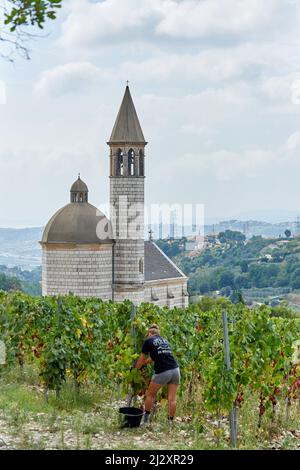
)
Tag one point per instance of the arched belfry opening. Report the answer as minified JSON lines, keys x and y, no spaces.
{"x":141,"y":163}
{"x":131,"y":162}
{"x":120,"y":163}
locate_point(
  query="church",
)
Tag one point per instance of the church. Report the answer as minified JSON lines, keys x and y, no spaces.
{"x":87,"y":254}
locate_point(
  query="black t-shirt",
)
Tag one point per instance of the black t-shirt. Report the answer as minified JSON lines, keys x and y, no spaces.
{"x":160,"y":353}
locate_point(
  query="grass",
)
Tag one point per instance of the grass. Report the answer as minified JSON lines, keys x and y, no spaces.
{"x":91,"y":421}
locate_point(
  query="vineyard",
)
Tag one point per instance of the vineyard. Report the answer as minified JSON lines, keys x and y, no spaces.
{"x":71,"y":342}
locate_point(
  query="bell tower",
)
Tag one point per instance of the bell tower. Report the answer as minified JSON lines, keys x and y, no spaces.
{"x":127,"y":175}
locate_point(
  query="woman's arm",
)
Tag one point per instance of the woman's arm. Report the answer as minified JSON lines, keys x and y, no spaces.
{"x":142,"y":361}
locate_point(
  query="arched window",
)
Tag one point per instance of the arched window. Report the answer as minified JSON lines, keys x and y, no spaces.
{"x":141,"y":162}
{"x":141,"y":266}
{"x":120,"y":164}
{"x":81,"y":197}
{"x":131,"y":162}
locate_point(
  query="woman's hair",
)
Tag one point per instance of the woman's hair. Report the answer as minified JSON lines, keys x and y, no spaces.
{"x":154,"y":329}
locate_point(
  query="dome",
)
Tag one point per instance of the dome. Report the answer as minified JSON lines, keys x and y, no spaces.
{"x":79,"y":186}
{"x":78,"y":223}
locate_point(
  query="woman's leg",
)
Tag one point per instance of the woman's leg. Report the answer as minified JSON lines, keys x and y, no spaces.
{"x":150,"y":395}
{"x":172,"y":389}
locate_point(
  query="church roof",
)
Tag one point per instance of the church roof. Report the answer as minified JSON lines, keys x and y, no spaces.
{"x":78,"y":223}
{"x":127,"y":128}
{"x":79,"y":186}
{"x":158,"y":265}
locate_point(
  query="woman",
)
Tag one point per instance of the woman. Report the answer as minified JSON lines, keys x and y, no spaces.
{"x":166,"y":370}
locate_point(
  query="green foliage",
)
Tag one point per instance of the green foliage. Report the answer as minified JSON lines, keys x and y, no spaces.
{"x":226,"y":279}
{"x":244,"y":266}
{"x":283,"y":311}
{"x":30,"y":12}
{"x":172,"y":247}
{"x":8,"y":283}
{"x":232,"y":237}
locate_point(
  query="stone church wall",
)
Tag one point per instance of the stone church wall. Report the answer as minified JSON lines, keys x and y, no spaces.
{"x":137,"y":296}
{"x":160,"y":289}
{"x":86,"y":273}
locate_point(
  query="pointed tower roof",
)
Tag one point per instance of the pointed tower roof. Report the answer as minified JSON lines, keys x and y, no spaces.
{"x":127,"y":128}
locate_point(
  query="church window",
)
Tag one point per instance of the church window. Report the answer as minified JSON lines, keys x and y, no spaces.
{"x":141,"y":266}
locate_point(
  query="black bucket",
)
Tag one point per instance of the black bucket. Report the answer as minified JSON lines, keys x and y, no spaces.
{"x":131,"y":416}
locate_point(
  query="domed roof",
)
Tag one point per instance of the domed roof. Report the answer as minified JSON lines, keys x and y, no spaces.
{"x":79,"y":186}
{"x":78,"y":223}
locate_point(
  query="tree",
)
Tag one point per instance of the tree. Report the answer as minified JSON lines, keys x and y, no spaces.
{"x":19,"y":19}
{"x":232,"y":237}
{"x":296,"y":279}
{"x":244,"y":266}
{"x":9,"y":283}
{"x":171,"y":247}
{"x":204,"y":287}
{"x":226,"y":279}
{"x":288,"y":233}
{"x":242,"y":281}
{"x":236,"y":298}
{"x":226,"y":291}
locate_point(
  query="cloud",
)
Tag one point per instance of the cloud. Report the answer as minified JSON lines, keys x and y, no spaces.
{"x":90,"y":24}
{"x":194,"y":18}
{"x":214,"y":64}
{"x":189,"y":113}
{"x":227,"y":165}
{"x":281,"y":89}
{"x":70,"y":78}
{"x":211,"y":66}
{"x":292,"y":144}
{"x":211,"y":106}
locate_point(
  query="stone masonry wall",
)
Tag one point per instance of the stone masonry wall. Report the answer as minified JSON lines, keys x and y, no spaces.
{"x":128,"y":250}
{"x":161,"y":291}
{"x":82,"y":272}
{"x":137,"y":296}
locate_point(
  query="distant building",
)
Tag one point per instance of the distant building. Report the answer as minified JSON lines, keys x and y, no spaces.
{"x":190,"y":245}
{"x":194,"y":243}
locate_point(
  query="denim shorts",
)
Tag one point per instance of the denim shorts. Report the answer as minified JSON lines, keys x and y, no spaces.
{"x":171,"y":376}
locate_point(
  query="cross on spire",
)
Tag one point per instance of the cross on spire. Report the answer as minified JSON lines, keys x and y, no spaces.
{"x":127,"y":82}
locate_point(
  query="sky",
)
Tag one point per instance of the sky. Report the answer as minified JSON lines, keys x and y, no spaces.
{"x":216,"y":85}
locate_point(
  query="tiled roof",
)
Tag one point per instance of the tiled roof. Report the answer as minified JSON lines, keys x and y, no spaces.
{"x":158,"y":265}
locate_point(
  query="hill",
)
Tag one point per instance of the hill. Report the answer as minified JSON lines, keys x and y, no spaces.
{"x":18,"y":279}
{"x":20,"y":247}
{"x":263,"y":270}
